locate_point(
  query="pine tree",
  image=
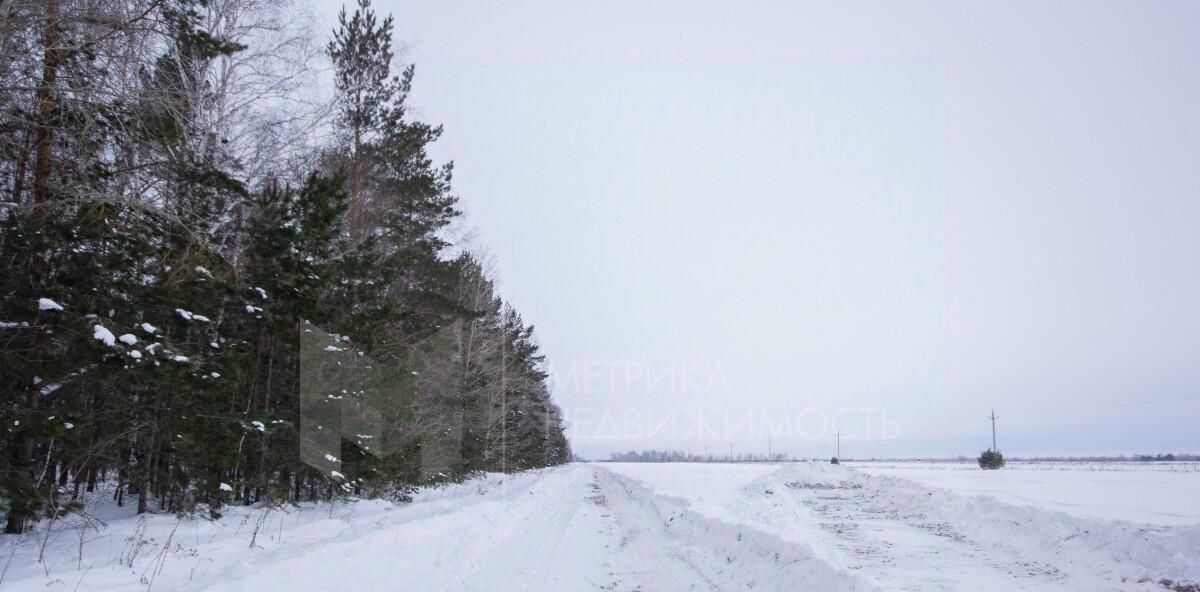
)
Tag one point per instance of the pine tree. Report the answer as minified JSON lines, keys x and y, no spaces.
{"x":361,"y":50}
{"x":991,"y":460}
{"x":398,"y":201}
{"x":159,"y":306}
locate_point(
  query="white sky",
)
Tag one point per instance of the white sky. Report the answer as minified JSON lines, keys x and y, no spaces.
{"x":776,"y":210}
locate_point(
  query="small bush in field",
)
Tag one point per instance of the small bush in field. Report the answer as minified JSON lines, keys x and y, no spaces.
{"x":991,"y":459}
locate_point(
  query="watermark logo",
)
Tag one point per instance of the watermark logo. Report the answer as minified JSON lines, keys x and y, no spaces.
{"x":710,"y":423}
{"x":345,"y":396}
{"x":603,"y":377}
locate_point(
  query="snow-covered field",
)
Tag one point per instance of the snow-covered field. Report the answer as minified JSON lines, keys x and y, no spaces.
{"x":611,"y":526}
{"x":1154,"y":493}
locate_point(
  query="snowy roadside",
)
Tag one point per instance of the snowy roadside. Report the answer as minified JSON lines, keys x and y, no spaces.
{"x":116,"y":551}
{"x":577,"y":527}
{"x":618,"y":527}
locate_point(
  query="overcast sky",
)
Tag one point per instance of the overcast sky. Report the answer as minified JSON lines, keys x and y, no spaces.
{"x":730,"y":220}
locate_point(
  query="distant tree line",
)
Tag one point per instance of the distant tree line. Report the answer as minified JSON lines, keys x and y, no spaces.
{"x":681,"y":456}
{"x":177,"y":204}
{"x":1118,"y":458}
{"x":1168,"y":457}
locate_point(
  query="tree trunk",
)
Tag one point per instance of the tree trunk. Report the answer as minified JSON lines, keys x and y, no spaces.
{"x":44,"y":105}
{"x":43,"y":115}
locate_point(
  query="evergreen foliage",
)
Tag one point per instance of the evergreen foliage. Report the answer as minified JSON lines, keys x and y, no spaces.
{"x":157,"y":302}
{"x":991,"y":460}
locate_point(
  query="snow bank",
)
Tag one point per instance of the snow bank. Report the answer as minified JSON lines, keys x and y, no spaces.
{"x":594,"y":527}
{"x":1133,"y":551}
{"x":346,"y":546}
{"x":734,"y":555}
{"x":1159,"y":493}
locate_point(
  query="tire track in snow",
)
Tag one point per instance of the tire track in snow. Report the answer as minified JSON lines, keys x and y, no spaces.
{"x":501,"y":539}
{"x":542,"y":543}
{"x":898,"y":534}
{"x":665,"y":545}
{"x":645,"y":558}
{"x":908,"y":551}
{"x":588,"y":528}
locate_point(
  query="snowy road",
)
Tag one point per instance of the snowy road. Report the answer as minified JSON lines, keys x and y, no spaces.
{"x":630,"y":527}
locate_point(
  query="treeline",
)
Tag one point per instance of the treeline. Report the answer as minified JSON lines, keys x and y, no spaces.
{"x":1168,"y":457}
{"x":180,"y":208}
{"x":681,"y":456}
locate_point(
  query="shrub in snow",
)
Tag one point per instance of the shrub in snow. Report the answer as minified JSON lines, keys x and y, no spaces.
{"x":991,"y":459}
{"x":834,"y":461}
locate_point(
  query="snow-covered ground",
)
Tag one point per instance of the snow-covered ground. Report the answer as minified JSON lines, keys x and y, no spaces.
{"x":903,"y":535}
{"x":610,"y":526}
{"x":1153,"y":493}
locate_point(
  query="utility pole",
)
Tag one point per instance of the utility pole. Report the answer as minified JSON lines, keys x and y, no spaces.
{"x":994,"y":418}
{"x":731,"y":452}
{"x":839,"y":445}
{"x":768,"y":449}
